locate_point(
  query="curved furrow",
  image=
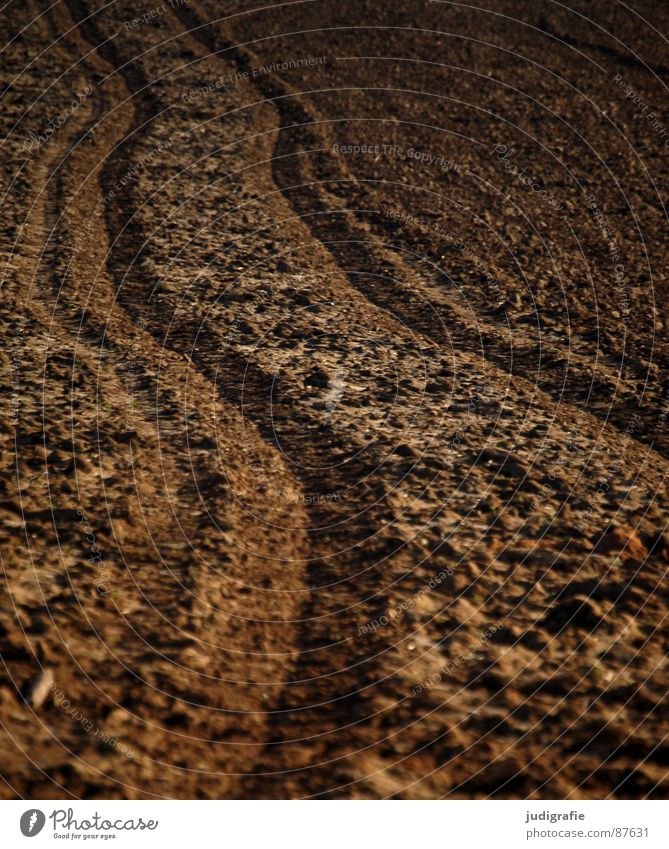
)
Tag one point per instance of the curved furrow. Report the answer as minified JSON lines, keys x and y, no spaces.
{"x":228,"y":370}
{"x":338,"y":593}
{"x":172,"y":591}
{"x":300,"y":168}
{"x":344,"y":214}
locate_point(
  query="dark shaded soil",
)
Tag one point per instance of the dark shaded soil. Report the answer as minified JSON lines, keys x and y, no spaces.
{"x":335,"y":432}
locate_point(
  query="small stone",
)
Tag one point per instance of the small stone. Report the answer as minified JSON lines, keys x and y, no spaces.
{"x":504,"y":464}
{"x":40,"y":687}
{"x":579,"y":612}
{"x":126,"y":436}
{"x":659,"y":545}
{"x":623,"y":543}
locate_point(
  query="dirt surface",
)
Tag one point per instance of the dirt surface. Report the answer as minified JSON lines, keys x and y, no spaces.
{"x":335,"y":443}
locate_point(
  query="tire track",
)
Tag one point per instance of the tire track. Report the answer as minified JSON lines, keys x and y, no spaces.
{"x":310,"y":178}
{"x":257,"y":391}
{"x":188,"y":664}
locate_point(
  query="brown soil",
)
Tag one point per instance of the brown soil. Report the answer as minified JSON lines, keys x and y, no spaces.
{"x":333,"y":472}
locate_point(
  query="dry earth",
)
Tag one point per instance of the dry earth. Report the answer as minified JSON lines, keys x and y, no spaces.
{"x":334,"y":443}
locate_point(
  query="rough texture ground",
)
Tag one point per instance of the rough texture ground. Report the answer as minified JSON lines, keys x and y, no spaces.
{"x":334,"y":472}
